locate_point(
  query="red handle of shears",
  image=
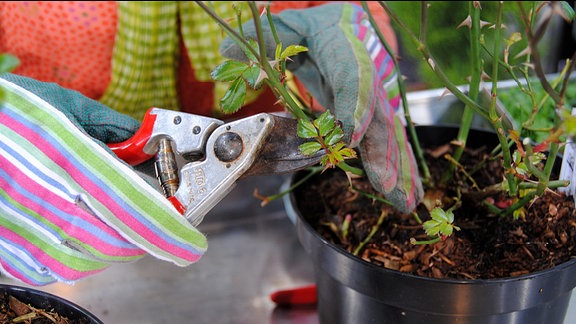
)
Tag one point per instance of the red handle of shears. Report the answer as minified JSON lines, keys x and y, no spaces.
{"x":131,"y":150}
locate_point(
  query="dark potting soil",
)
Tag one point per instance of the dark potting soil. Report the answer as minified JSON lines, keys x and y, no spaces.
{"x":12,"y":310}
{"x":487,"y":246}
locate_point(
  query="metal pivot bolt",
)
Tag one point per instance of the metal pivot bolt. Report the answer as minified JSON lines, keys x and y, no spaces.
{"x":228,"y":147}
{"x":167,"y":168}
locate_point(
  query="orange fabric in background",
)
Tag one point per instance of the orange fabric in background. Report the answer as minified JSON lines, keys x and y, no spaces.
{"x":71,"y":43}
{"x":67,"y":42}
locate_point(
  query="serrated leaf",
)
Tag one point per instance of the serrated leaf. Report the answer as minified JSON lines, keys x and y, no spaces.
{"x":251,"y":76}
{"x":254,"y":44}
{"x":522,"y":169}
{"x":334,"y":136}
{"x":348,"y":153}
{"x":292,"y":50}
{"x":325,"y":123}
{"x":228,"y":71}
{"x":446,"y":229}
{"x":440,"y":223}
{"x":438,"y":214}
{"x":306,"y":129}
{"x":234,"y":97}
{"x":8,"y":62}
{"x":431,"y":227}
{"x":310,"y":148}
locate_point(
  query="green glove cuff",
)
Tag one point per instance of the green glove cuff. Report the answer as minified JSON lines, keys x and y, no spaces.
{"x":97,"y":120}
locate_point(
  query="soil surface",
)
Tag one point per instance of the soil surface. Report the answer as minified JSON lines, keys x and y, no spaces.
{"x":487,"y":246}
{"x":13,"y":310}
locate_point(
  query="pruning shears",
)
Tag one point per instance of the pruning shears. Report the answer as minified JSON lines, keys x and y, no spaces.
{"x":199,"y":159}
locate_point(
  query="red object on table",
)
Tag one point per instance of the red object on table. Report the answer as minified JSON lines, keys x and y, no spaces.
{"x":305,"y":295}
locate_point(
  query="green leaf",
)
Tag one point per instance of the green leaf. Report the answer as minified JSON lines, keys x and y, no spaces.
{"x":234,"y":97}
{"x":278,"y":51}
{"x":310,"y":148}
{"x":254,"y":44}
{"x":306,"y":129}
{"x":522,"y":169}
{"x":431,"y":227}
{"x":8,"y":62}
{"x":348,"y":153}
{"x":438,"y":214}
{"x":251,"y":76}
{"x":441,"y":223}
{"x":334,"y":136}
{"x":325,"y":123}
{"x":292,"y":50}
{"x":516,"y":157}
{"x":446,"y":229}
{"x":228,"y":71}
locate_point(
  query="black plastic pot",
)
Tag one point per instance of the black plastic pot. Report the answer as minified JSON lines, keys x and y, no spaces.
{"x":46,"y":301}
{"x":351,"y":290}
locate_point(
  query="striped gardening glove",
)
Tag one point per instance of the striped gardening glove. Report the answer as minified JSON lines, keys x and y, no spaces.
{"x":68,"y":206}
{"x":349,"y":71}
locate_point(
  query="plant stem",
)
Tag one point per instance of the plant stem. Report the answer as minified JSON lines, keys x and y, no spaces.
{"x":428,"y":57}
{"x":373,"y":231}
{"x":348,"y":168}
{"x":473,"y":89}
{"x":313,"y":171}
{"x":274,"y":83}
{"x":229,"y":30}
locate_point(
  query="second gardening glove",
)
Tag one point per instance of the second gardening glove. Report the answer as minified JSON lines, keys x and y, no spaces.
{"x":349,"y":71}
{"x":68,"y":207}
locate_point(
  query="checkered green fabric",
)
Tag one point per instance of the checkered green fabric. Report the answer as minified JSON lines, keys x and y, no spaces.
{"x":147,"y":48}
{"x":143,"y":58}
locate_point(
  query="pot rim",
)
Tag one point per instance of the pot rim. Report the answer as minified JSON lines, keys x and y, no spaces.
{"x":71,"y":306}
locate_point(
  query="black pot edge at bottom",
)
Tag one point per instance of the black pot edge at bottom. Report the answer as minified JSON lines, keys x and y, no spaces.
{"x":47,"y":301}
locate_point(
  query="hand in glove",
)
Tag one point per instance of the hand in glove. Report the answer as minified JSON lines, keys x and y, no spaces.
{"x":68,"y":207}
{"x":349,"y":71}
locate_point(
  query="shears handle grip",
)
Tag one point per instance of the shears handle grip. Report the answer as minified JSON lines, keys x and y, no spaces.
{"x":131,"y":150}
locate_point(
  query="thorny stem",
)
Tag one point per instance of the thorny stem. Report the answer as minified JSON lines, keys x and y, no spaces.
{"x":229,"y":30}
{"x":437,"y":70}
{"x":494,"y":118}
{"x":533,"y":39}
{"x":277,"y":86}
{"x":492,"y":114}
{"x":476,"y":73}
{"x":273,"y":82}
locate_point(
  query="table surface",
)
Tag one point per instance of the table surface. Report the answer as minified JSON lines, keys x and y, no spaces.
{"x":253,"y":251}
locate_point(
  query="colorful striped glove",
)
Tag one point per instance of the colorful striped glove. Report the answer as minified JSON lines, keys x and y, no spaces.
{"x":68,"y":206}
{"x":350,"y":72}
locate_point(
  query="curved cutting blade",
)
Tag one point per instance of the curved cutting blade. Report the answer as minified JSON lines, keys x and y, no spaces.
{"x":280,"y":152}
